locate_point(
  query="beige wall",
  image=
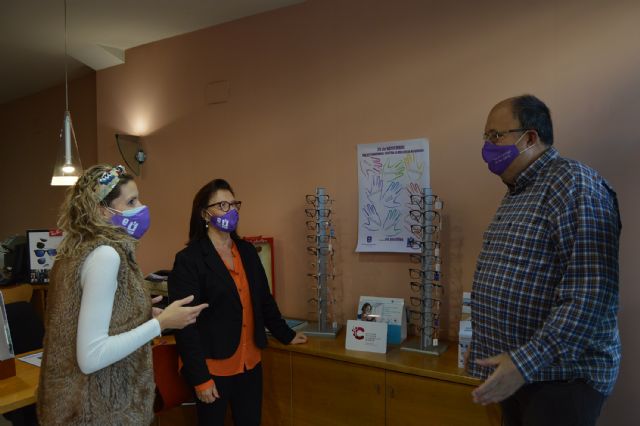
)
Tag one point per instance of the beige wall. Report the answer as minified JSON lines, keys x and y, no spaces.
{"x":310,"y":82}
{"x":30,"y":129}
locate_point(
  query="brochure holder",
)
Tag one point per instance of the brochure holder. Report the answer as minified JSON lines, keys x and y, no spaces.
{"x":386,"y":310}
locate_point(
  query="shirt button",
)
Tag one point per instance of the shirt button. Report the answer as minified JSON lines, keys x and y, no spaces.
{"x":243,"y":325}
{"x":488,"y":242}
{"x":498,"y":217}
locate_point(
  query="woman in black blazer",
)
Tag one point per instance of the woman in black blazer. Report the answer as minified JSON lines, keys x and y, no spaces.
{"x":221,"y":351}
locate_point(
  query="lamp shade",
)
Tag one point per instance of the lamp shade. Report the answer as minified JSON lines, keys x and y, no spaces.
{"x":68,"y":167}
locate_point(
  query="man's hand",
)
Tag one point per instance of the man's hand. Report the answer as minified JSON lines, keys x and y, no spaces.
{"x":298,"y":338}
{"x":504,"y":382}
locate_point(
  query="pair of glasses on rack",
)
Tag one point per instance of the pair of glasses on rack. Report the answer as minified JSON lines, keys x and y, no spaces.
{"x":328,"y":263}
{"x":421,"y":231}
{"x":429,"y":245}
{"x":428,"y":259}
{"x":317,"y":224}
{"x":428,"y":274}
{"x":318,"y":276}
{"x":419,"y":315}
{"x":327,"y":286}
{"x":318,"y":300}
{"x":418,"y":301}
{"x":431,"y":201}
{"x":319,"y":250}
{"x":427,"y":200}
{"x":429,"y":215}
{"x":318,"y":199}
{"x":434,"y":331}
{"x":320,"y":238}
{"x":318,"y":213}
{"x":417,"y":286}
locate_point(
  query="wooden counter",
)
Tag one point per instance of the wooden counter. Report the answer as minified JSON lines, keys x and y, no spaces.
{"x":322,"y":383}
{"x":444,"y":367}
{"x":20,"y":390}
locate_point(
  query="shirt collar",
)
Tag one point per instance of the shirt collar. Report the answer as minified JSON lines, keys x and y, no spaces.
{"x":530,"y":173}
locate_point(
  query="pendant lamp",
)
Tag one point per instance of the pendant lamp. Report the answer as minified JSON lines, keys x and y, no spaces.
{"x":68,"y":167}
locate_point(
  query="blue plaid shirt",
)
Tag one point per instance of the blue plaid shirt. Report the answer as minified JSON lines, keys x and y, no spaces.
{"x":545,"y":288}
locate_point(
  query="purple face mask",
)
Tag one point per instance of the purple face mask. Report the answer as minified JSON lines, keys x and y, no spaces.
{"x":134,"y":221}
{"x":227,"y":222}
{"x":499,"y":157}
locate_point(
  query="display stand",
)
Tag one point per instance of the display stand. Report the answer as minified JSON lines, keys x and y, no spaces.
{"x":426,"y":280}
{"x":321,"y":248}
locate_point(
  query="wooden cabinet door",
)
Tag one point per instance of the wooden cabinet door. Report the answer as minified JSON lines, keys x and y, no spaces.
{"x":276,"y":388}
{"x":415,"y":400}
{"x":328,"y":392}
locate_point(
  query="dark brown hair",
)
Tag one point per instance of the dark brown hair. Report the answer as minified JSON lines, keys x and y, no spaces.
{"x":197,"y":225}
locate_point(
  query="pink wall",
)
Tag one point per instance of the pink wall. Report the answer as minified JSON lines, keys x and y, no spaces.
{"x":30,"y":131}
{"x":310,"y":82}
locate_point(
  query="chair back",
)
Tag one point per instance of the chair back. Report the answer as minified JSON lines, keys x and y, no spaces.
{"x":171,"y":386}
{"x":27,"y":330}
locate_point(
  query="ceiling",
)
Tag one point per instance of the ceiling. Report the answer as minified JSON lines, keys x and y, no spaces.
{"x":98,"y":34}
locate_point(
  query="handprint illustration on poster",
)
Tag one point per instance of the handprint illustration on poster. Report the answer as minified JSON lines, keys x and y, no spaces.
{"x":388,"y":174}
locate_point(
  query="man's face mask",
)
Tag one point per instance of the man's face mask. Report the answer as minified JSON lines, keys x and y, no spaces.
{"x":500,"y":157}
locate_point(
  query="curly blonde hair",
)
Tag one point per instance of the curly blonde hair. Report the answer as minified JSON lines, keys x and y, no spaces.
{"x":81,"y":219}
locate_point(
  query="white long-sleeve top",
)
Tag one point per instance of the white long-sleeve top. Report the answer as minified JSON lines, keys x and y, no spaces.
{"x":96,"y":349}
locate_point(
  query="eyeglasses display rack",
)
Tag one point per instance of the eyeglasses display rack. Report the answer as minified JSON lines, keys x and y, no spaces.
{"x":318,"y":214}
{"x":426,"y":279}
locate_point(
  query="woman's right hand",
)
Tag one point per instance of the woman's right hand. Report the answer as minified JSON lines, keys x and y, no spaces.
{"x":178,"y":316}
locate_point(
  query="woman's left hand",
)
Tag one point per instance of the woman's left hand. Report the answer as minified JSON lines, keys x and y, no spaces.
{"x":299,"y":338}
{"x":156,"y":311}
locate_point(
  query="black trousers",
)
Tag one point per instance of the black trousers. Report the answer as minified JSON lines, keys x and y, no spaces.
{"x":243,"y":392}
{"x":561,"y":403}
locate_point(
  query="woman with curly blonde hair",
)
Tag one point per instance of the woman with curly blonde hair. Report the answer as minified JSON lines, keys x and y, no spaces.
{"x":96,"y":366}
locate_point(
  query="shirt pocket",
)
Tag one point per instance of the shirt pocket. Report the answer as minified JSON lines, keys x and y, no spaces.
{"x":526,"y":244}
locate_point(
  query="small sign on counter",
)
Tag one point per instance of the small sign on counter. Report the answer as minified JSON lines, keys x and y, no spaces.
{"x":366,"y":336}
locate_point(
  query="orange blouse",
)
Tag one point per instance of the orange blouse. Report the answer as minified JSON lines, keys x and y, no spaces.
{"x":248,"y":355}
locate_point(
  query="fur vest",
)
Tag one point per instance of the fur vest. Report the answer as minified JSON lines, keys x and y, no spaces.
{"x":119,"y":394}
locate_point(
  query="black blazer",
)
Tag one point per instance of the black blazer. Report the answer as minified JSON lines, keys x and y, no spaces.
{"x":198,"y":270}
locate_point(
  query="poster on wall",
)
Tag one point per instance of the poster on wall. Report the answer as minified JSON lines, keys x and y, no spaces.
{"x":388,"y":173}
{"x":264,"y":247}
{"x":43,"y":245}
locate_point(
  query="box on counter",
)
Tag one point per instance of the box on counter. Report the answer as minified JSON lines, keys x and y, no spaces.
{"x":465,"y":331}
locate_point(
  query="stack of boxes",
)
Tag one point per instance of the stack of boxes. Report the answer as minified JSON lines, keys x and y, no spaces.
{"x":464,"y":335}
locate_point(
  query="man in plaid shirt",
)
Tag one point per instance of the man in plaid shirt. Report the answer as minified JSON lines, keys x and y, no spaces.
{"x":545,"y":289}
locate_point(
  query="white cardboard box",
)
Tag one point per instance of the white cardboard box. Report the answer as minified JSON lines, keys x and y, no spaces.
{"x":366,"y":336}
{"x":464,"y":340}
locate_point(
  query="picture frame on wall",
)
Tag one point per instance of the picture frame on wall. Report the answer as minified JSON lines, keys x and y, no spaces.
{"x":264,"y":246}
{"x":43,"y":249}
